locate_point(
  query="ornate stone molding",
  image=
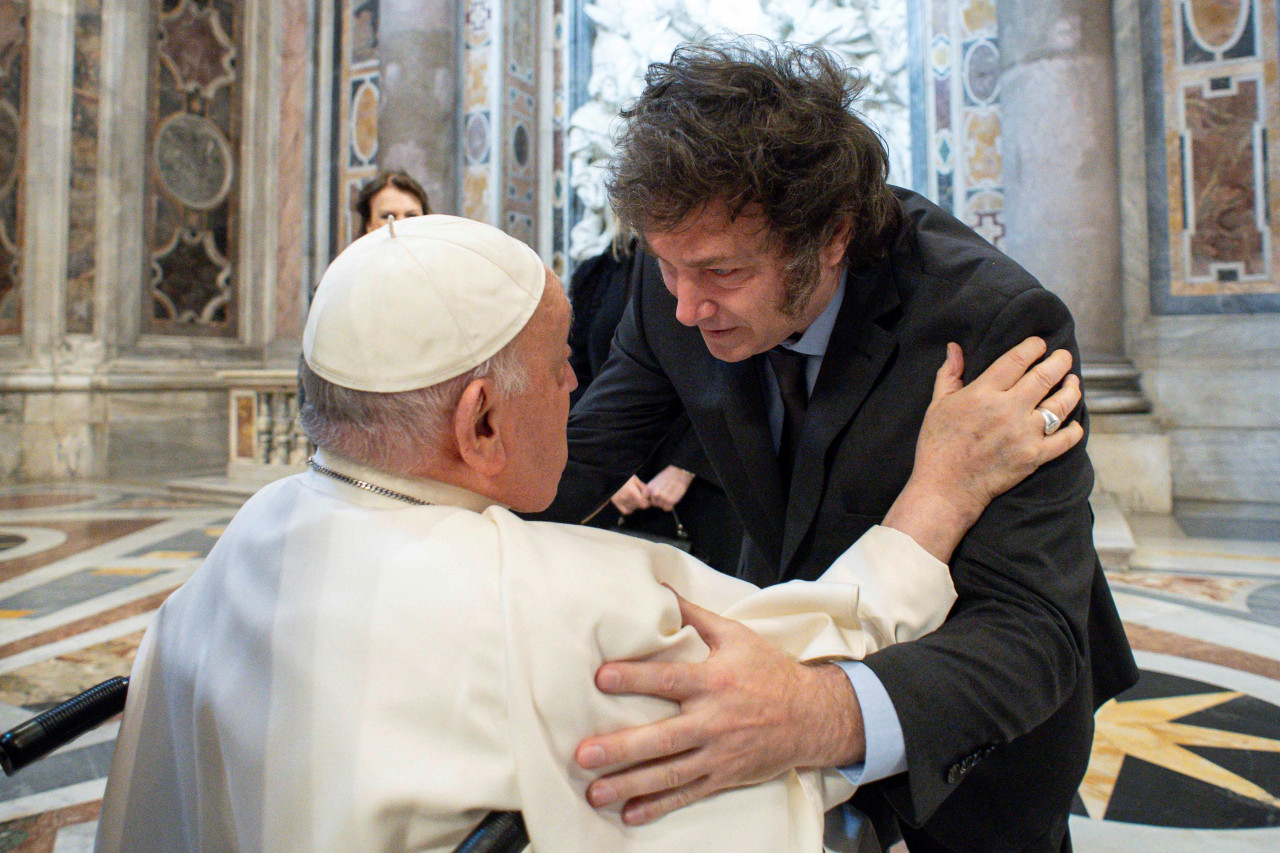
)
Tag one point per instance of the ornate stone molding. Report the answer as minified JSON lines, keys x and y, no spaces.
{"x":869,"y":34}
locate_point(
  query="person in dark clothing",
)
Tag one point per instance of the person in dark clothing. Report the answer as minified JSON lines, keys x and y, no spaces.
{"x":674,"y":496}
{"x":794,"y":306}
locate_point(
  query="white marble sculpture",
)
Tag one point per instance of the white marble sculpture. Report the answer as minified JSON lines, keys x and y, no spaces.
{"x":871,"y":35}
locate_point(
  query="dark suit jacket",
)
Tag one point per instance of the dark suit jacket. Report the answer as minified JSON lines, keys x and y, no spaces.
{"x":997,"y":705}
{"x":599,"y":292}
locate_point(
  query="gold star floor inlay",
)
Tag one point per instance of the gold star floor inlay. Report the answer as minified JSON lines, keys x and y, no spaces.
{"x":1147,"y":729}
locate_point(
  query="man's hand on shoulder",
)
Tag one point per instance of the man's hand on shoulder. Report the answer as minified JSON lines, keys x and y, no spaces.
{"x":747,"y":714}
{"x":981,"y":439}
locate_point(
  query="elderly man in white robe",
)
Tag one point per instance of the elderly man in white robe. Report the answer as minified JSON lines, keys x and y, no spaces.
{"x":377,"y":652}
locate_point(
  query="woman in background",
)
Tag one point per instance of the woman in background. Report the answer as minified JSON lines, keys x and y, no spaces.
{"x":390,"y":195}
{"x":674,"y":496}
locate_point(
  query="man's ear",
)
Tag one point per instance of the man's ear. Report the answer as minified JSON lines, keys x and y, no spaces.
{"x":475,"y":427}
{"x":833,"y":252}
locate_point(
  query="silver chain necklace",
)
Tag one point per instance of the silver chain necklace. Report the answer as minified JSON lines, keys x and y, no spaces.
{"x":361,"y":484}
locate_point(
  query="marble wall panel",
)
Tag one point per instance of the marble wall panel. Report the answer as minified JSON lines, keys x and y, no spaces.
{"x":559,"y":157}
{"x":357,"y":94}
{"x":150,"y":434}
{"x":293,"y":218}
{"x":11,"y":409}
{"x":60,"y":436}
{"x":959,"y":64}
{"x":520,"y":131}
{"x":158,"y":447}
{"x":13,"y":55}
{"x":193,"y":210}
{"x":61,"y":451}
{"x":480,"y":64}
{"x":1213,"y":103}
{"x":81,"y":239}
{"x":1226,"y":464}
{"x":1216,"y":392}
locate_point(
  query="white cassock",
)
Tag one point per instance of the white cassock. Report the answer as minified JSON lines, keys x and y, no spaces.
{"x":348,"y":672}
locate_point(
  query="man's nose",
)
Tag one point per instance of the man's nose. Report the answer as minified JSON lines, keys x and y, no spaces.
{"x":691,"y":306}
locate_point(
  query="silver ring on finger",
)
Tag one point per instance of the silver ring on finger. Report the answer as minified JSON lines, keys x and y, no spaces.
{"x":1051,"y":421}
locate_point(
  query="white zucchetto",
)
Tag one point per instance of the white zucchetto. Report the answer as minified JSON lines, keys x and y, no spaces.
{"x":418,"y":302}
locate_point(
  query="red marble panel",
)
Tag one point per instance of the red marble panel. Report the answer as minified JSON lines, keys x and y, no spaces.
{"x":13,"y":52}
{"x":246,"y":426}
{"x":1216,"y":21}
{"x":1224,"y":163}
{"x":81,"y":240}
{"x":293,"y":221}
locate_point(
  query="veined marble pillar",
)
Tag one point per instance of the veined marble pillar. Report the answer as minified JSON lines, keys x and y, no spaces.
{"x":418,"y":119}
{"x":1061,"y":177}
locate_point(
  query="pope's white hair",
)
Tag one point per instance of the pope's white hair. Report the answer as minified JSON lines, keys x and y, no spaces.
{"x":397,"y":431}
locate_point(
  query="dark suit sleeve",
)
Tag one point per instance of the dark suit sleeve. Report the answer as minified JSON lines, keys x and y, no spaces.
{"x":1012,"y":651}
{"x":682,"y":449}
{"x":616,"y":425}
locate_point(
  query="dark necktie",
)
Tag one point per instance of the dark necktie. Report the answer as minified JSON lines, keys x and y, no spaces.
{"x":788,"y":368}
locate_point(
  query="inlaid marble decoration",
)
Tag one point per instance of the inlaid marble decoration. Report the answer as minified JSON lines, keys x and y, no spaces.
{"x":1212,"y":753}
{"x":479,"y":69}
{"x":13,"y":57}
{"x":519,"y":214}
{"x":192,"y":199}
{"x":1213,"y":104}
{"x":957,"y":144}
{"x":559,"y":119}
{"x":357,"y":92}
{"x":81,"y":243}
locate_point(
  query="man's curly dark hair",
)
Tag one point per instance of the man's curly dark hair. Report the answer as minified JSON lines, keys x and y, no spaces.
{"x":747,"y":121}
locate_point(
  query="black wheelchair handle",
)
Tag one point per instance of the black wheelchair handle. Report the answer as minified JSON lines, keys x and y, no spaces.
{"x":499,"y":832}
{"x":40,"y":735}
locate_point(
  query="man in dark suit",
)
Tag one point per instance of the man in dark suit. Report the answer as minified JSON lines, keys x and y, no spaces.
{"x":795,"y":307}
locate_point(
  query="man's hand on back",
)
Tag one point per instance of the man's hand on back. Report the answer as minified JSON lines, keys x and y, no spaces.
{"x":747,"y":714}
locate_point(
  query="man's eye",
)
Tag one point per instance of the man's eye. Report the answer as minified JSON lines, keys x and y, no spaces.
{"x":721,"y":273}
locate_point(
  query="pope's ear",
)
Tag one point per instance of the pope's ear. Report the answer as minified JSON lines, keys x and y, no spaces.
{"x":475,"y":428}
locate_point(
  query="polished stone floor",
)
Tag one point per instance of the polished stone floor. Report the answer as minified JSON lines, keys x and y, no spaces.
{"x":1189,"y":760}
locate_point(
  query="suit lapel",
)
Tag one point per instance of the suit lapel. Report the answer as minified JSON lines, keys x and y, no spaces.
{"x":856,"y":355}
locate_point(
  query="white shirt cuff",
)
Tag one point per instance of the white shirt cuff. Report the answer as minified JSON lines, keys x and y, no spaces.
{"x":886,"y":749}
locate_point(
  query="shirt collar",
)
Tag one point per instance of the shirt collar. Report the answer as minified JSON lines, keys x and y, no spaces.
{"x":814,"y":340}
{"x":431,"y":491}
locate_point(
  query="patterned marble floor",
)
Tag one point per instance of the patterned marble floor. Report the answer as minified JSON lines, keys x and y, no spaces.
{"x":1189,"y":760}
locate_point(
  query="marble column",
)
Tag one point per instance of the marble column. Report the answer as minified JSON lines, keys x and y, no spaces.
{"x":51,"y":58}
{"x":1061,"y":174}
{"x":418,"y":117}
